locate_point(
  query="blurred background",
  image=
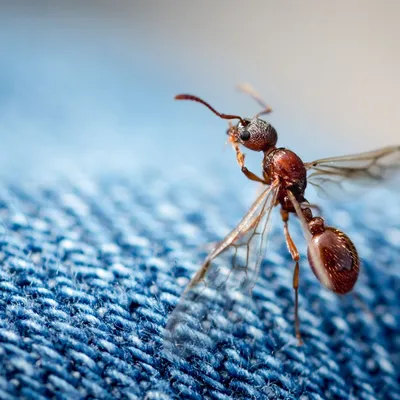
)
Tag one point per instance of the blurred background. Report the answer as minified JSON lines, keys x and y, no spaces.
{"x":89,"y":85}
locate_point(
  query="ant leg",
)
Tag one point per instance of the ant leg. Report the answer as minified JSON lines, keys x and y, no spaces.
{"x":248,"y":89}
{"x":315,"y":206}
{"x":253,"y":177}
{"x":295,"y":256}
{"x":240,"y":159}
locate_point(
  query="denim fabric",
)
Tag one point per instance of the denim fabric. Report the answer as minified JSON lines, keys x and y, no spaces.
{"x":91,"y":268}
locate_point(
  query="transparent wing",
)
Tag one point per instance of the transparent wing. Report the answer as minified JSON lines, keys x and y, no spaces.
{"x":217,"y":297}
{"x":348,"y":172}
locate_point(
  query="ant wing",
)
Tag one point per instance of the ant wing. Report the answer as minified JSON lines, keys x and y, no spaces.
{"x":361,"y":169}
{"x":218,"y":296}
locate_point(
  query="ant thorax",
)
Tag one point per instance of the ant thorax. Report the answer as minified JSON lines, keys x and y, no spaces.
{"x":287,"y":167}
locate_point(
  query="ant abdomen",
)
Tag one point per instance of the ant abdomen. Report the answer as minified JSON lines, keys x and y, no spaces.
{"x":334,"y":260}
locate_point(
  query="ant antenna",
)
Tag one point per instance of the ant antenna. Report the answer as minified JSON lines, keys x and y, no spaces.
{"x":248,"y":89}
{"x":195,"y":98}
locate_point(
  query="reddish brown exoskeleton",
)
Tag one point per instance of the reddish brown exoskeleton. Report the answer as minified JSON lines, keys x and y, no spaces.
{"x":234,"y":264}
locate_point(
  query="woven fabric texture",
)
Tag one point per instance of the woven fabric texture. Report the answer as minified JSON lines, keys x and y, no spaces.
{"x":91,"y":268}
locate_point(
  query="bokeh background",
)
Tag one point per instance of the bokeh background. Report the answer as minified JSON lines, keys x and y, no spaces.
{"x":89,"y":85}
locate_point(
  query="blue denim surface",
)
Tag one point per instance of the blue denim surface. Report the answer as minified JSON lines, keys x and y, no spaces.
{"x":91,"y":268}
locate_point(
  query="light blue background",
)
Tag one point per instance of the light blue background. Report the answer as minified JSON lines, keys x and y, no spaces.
{"x":89,"y":86}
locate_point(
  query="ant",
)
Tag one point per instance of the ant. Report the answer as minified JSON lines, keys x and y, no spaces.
{"x":331,"y":254}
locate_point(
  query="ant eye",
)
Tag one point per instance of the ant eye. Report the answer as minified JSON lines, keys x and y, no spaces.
{"x":245,"y":135}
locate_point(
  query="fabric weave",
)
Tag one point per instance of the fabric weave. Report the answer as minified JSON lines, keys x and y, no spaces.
{"x":90,"y":271}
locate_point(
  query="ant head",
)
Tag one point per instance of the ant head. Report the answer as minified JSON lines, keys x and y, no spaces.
{"x":255,"y":133}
